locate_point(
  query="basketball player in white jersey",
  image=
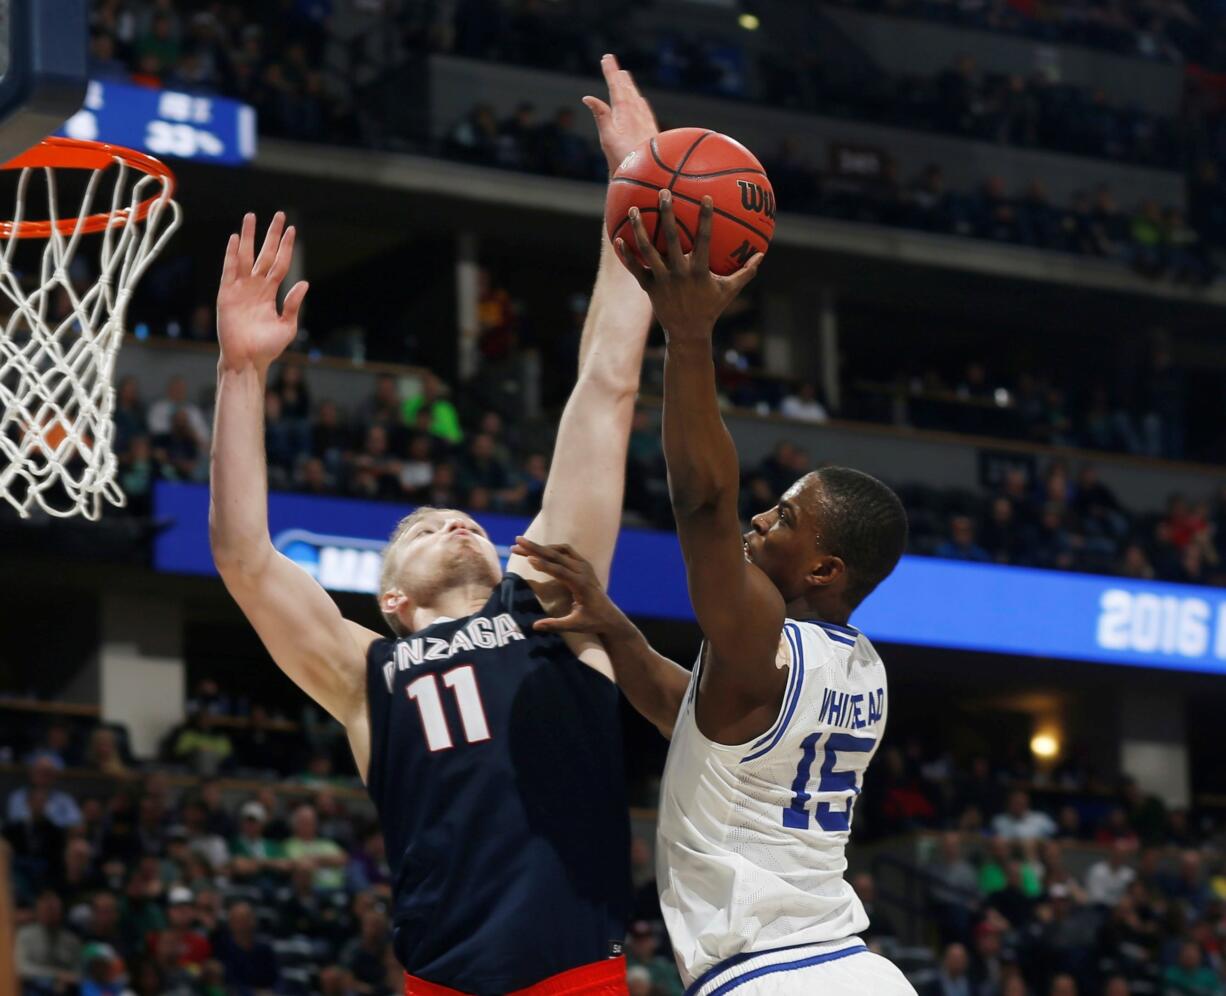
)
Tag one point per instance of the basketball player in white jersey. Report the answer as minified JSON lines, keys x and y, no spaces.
{"x":772,"y":732}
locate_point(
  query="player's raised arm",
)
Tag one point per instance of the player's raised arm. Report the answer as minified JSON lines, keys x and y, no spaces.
{"x":654,"y":684}
{"x":740,"y":611}
{"x":300,"y":625}
{"x":582,"y":504}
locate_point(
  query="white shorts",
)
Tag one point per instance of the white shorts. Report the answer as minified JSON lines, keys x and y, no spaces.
{"x":837,"y":969}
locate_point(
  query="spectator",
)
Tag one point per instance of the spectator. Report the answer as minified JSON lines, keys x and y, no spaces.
{"x":368,"y":868}
{"x":181,"y":451}
{"x":417,"y":472}
{"x":249,"y":962}
{"x":444,"y":419}
{"x":880,"y":925}
{"x":961,"y":544}
{"x":642,"y":952}
{"x":200,"y":745}
{"x":324,"y":857}
{"x":103,"y":924}
{"x":481,"y":468}
{"x":952,"y":977}
{"x":374,"y":472}
{"x":103,"y":754}
{"x":1020,"y":822}
{"x":60,"y":807}
{"x":563,"y":152}
{"x":803,"y":405}
{"x":954,"y":887}
{"x":1108,"y":879}
{"x":364,"y":956}
{"x":1190,"y":976}
{"x":48,"y":956}
{"x":252,"y":854}
{"x":329,"y":438}
{"x":180,"y":943}
{"x":162,"y":412}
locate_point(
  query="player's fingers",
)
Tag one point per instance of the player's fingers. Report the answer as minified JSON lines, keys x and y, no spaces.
{"x":637,"y":270}
{"x":647,"y":252}
{"x":559,"y":570}
{"x":572,"y":622}
{"x":702,"y":241}
{"x":272,"y":239}
{"x":609,"y":69}
{"x":229,"y":266}
{"x":284,"y":258}
{"x":600,"y":110}
{"x":668,"y":221}
{"x":246,"y":244}
{"x":736,"y":283}
{"x":293,"y":302}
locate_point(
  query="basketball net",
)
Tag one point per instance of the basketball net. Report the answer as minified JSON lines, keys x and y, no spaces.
{"x":58,"y":345}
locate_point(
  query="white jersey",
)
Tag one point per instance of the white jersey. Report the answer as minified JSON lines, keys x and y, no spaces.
{"x":751,"y":837}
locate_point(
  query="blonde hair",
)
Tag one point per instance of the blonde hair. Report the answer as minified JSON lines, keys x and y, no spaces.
{"x":387,"y":572}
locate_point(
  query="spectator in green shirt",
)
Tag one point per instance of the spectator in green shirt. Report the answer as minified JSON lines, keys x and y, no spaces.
{"x":1190,"y":976}
{"x":444,"y":419}
{"x":202,"y":747}
{"x":642,"y":951}
{"x":305,"y":846}
{"x":252,"y":855}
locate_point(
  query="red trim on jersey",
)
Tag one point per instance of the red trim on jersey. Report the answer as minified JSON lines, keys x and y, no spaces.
{"x":600,"y":978}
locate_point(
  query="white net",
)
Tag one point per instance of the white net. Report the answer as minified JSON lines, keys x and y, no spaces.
{"x":59,"y":340}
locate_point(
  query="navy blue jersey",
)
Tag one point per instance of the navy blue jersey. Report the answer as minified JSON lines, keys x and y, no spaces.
{"x":496,"y":768}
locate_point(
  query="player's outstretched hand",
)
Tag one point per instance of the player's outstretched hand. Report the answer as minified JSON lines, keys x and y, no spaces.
{"x":626,"y":121}
{"x":591,"y":609}
{"x":249,"y":327}
{"x":686,"y":295}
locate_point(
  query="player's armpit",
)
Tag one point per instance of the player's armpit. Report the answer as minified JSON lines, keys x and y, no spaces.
{"x":304,"y":632}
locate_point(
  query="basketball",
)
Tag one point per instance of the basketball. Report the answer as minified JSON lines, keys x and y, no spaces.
{"x":694,"y":163}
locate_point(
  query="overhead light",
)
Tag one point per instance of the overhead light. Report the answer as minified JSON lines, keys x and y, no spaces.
{"x":749,"y":21}
{"x":1044,"y":745}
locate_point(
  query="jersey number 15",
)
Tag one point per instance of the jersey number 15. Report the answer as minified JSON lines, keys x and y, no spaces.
{"x":830,"y":782}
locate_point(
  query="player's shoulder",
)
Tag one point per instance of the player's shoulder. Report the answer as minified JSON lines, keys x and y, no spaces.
{"x":815,"y":642}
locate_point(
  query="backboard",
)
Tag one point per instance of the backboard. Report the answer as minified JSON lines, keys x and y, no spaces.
{"x":43,"y":69}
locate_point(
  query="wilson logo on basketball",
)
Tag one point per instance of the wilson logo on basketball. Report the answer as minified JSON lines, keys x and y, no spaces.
{"x":742,"y":253}
{"x":754,"y":198}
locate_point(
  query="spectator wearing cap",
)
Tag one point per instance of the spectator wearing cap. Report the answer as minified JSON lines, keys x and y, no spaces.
{"x":643,"y":951}
{"x":252,"y":855}
{"x":249,"y":961}
{"x":1108,"y":879}
{"x":48,"y":956}
{"x":102,"y":971}
{"x":324,"y":857}
{"x":1020,"y":822}
{"x":191,"y":948}
{"x":59,"y":807}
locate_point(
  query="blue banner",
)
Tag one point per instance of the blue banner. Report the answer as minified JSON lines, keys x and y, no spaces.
{"x":166,"y":123}
{"x":926,"y":601}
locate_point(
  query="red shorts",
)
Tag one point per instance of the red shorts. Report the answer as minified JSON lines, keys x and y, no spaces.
{"x":600,"y":978}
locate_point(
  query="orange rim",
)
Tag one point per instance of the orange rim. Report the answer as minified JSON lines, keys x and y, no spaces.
{"x":72,"y":153}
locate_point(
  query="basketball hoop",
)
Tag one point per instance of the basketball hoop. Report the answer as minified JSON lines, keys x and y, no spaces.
{"x":56,"y":367}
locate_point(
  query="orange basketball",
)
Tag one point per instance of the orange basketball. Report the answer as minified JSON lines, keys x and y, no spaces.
{"x":692,"y":163}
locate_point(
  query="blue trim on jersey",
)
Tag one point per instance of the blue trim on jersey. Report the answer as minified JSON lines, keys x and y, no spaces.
{"x":784,"y":966}
{"x":839,"y":634}
{"x":793,"y":677}
{"x":798,"y":667}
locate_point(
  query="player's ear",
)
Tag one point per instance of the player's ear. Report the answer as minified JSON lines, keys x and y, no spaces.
{"x":825,"y":571}
{"x":392,"y":602}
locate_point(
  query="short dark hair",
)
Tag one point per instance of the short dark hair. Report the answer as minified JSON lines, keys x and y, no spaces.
{"x":865,"y":524}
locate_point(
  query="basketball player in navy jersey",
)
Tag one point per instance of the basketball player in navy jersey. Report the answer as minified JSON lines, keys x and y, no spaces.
{"x":491,"y":751}
{"x":772,"y":732}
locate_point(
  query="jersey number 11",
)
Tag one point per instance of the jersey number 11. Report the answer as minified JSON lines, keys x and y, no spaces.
{"x":463,"y":682}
